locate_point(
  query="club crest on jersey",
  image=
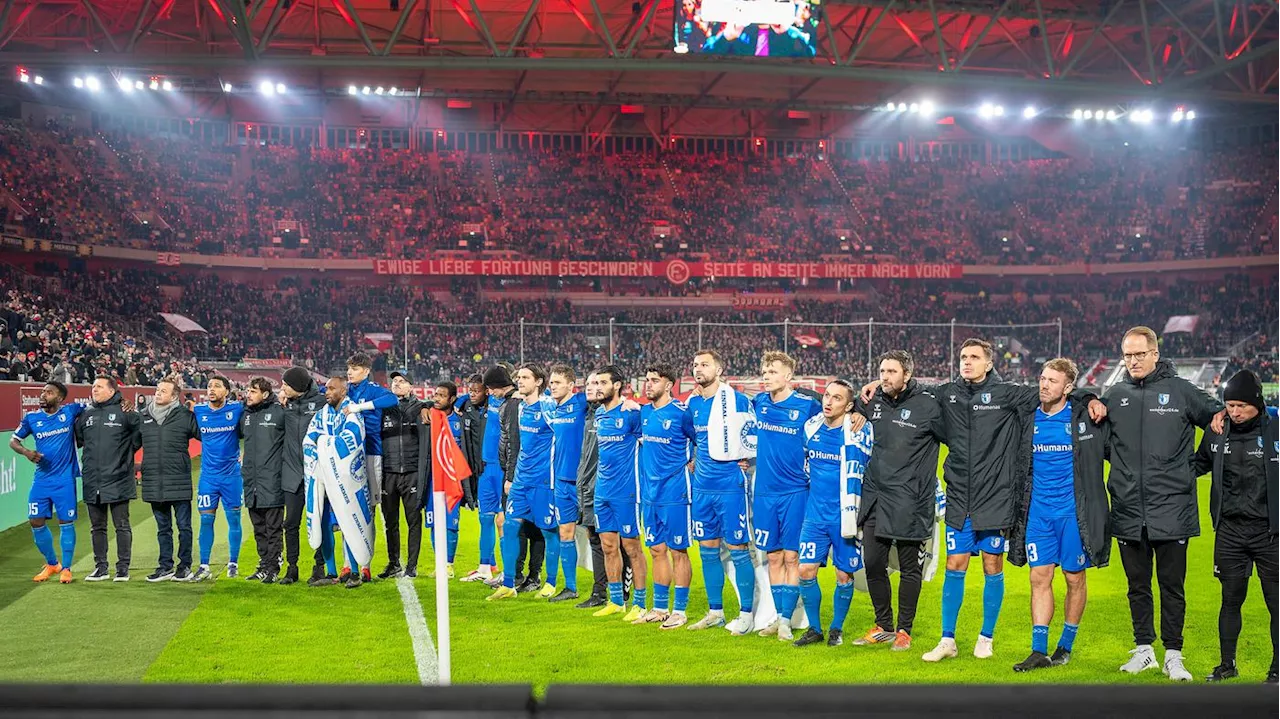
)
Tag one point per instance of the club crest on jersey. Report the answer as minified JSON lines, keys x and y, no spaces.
{"x":905,"y":414}
{"x":228,"y":415}
{"x":618,"y":423}
{"x":1259,"y":442}
{"x":1276,"y":447}
{"x":266,"y":417}
{"x":111,"y":417}
{"x":795,"y":414}
{"x":62,"y":418}
{"x":666,"y":424}
{"x":986,"y":398}
{"x":1082,"y":428}
{"x":1163,"y":399}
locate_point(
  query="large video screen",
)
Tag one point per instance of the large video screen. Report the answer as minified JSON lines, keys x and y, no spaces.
{"x":759,"y":28}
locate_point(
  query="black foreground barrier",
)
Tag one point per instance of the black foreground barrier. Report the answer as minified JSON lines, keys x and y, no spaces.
{"x":1159,"y":701}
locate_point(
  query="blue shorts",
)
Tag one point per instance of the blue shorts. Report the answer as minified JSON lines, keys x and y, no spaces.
{"x":818,"y":540}
{"x":566,"y":502}
{"x":489,"y":489}
{"x":776,"y":521}
{"x":667,"y":524}
{"x":452,"y":518}
{"x":49,"y":501}
{"x":228,"y":490}
{"x":967,"y":541}
{"x":532,"y":503}
{"x":618,"y":515}
{"x":1056,"y":540}
{"x":720,"y":516}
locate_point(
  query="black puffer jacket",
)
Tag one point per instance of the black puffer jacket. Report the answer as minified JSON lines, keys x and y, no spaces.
{"x":297,"y":418}
{"x":1210,"y":458}
{"x":262,"y":427}
{"x":109,"y":437}
{"x":166,"y":456}
{"x":901,"y":479}
{"x":509,"y":440}
{"x":401,"y":430}
{"x":1153,"y":430}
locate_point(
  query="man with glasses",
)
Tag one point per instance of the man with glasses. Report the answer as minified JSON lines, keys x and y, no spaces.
{"x":1154,"y":414}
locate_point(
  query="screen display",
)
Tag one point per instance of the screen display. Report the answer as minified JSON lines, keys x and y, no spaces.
{"x":760,"y":28}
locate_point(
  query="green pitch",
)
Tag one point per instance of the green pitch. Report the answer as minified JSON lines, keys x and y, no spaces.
{"x":238,"y":631}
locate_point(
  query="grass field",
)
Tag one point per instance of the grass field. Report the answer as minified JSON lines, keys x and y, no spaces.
{"x":237,"y":631}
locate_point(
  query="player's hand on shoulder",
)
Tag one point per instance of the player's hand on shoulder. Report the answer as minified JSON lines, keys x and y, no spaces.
{"x":869,"y":390}
{"x":1097,"y":411}
{"x":1219,"y":422}
{"x":855,"y":421}
{"x":630,"y":405}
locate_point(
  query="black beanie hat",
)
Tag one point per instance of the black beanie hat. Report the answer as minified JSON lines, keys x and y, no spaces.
{"x":1244,"y":387}
{"x":298,"y":379}
{"x":497,"y":378}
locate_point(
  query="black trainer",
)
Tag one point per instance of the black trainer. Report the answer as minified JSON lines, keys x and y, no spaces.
{"x":160,"y":575}
{"x":270,"y":577}
{"x":411,"y":572}
{"x":353,"y":581}
{"x":591,"y":602}
{"x":322,"y":581}
{"x":182,"y":574}
{"x":565,"y":595}
{"x":530,"y":584}
{"x":99,"y":574}
{"x":810,"y":636}
{"x":1035,"y":661}
{"x":290,"y":575}
{"x":835,"y":637}
{"x":392,"y":571}
{"x":1223,"y":672}
{"x":257,"y":576}
{"x":1061,"y":657}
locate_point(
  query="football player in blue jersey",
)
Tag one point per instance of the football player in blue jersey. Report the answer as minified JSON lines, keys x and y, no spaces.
{"x":445,"y":400}
{"x":820,"y":535}
{"x":489,"y":494}
{"x":220,"y":481}
{"x":617,"y":495}
{"x":665,"y":491}
{"x":369,"y":399}
{"x":780,"y":489}
{"x":719,"y":502}
{"x":568,"y":423}
{"x":53,"y":491}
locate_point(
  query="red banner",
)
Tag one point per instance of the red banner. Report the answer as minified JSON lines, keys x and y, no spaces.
{"x":677,"y":271}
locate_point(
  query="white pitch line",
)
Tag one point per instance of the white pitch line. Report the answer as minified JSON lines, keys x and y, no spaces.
{"x":424,"y":650}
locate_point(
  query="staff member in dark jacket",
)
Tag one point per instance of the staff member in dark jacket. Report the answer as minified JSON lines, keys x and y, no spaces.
{"x":898,"y":488}
{"x":532,"y":544}
{"x":109,"y":437}
{"x":588,"y":468}
{"x":301,"y":402}
{"x":1243,"y":504}
{"x":166,"y":429}
{"x":473,"y":413}
{"x":1062,"y":511}
{"x":1154,"y":414}
{"x":402,"y":482}
{"x":262,"y":427}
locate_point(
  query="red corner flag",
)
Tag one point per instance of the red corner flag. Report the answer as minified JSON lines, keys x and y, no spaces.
{"x":448,"y":465}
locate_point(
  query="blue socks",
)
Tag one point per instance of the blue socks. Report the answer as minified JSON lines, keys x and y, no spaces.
{"x":712,"y":577}
{"x":744,"y":577}
{"x":639,"y":597}
{"x":326,"y":551}
{"x":662,"y":597}
{"x":615,"y":593}
{"x":844,"y":597}
{"x":510,"y":553}
{"x":1040,"y":638}
{"x":67,"y":537}
{"x":451,"y":538}
{"x":552,"y":561}
{"x":952,"y":598}
{"x":1068,"y":639}
{"x":206,"y":536}
{"x":351,"y":560}
{"x":811,"y":593}
{"x":44,"y":542}
{"x":569,"y":563}
{"x":234,"y":535}
{"x":790,"y":594}
{"x":488,"y":533}
{"x":992,"y":598}
{"x":682,"y":599}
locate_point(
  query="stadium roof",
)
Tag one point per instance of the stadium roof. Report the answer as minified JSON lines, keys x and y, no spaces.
{"x":618,"y":51}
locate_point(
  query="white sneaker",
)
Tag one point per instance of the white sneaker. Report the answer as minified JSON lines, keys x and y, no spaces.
{"x":1141,"y":658}
{"x":771,"y":630}
{"x":712,"y":619}
{"x":1173,"y":667}
{"x":483,"y":574}
{"x":983,"y":649}
{"x":784,"y":631}
{"x":233,"y":570}
{"x":946,"y":649}
{"x":742,"y":625}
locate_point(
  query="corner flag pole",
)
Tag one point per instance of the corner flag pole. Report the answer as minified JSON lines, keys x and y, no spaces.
{"x":442,"y":585}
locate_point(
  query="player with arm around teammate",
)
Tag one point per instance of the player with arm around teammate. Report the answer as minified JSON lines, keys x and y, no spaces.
{"x":53,"y":490}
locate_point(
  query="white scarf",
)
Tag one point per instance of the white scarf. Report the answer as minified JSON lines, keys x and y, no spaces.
{"x":334,"y":466}
{"x":731,"y":432}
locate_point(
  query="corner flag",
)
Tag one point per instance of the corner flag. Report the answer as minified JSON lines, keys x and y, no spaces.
{"x":448,"y":465}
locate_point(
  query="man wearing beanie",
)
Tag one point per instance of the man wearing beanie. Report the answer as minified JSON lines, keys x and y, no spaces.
{"x":301,"y":402}
{"x":1242,"y":461}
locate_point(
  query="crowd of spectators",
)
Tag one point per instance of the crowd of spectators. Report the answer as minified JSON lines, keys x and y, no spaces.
{"x":177,"y":194}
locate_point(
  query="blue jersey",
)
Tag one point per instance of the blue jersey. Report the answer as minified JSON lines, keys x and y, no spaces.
{"x":617,"y":433}
{"x":381,"y":398}
{"x":455,"y":426}
{"x":55,"y":439}
{"x":711,"y":476}
{"x":780,"y":442}
{"x":822,"y":463}
{"x":492,"y":430}
{"x":220,"y":439}
{"x":568,"y":424}
{"x":533,"y":466}
{"x":461,"y":401}
{"x":1053,"y":487}
{"x":664,"y":455}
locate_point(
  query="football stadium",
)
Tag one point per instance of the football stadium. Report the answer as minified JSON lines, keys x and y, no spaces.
{"x":586,"y":357}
